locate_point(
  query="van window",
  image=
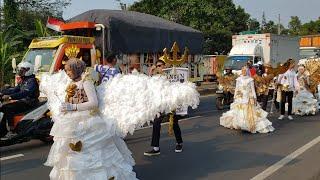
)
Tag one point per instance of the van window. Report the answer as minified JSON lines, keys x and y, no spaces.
{"x":256,"y":60}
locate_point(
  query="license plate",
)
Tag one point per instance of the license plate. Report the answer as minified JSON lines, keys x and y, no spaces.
{"x":219,"y":92}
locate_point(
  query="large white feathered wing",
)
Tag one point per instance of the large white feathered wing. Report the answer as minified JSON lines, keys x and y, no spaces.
{"x":54,"y":87}
{"x":135,"y":99}
{"x":129,"y":101}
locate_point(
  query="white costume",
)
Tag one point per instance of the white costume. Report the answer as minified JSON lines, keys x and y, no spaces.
{"x":243,"y":113}
{"x":110,"y":112}
{"x":304,"y":102}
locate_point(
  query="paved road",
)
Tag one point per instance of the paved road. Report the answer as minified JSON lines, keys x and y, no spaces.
{"x":210,"y":151}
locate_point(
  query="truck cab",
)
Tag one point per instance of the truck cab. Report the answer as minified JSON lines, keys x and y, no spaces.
{"x":50,"y":52}
{"x":242,"y":53}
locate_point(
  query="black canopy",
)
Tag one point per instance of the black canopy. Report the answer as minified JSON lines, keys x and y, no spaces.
{"x":134,"y":32}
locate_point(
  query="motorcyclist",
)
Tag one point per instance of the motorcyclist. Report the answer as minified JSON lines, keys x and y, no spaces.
{"x":24,"y":97}
{"x":228,"y":71}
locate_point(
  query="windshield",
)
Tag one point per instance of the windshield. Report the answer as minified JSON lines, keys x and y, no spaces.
{"x":46,"y":60}
{"x":306,"y":53}
{"x":237,"y":62}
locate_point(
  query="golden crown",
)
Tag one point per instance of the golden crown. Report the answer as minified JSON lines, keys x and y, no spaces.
{"x":72,"y":51}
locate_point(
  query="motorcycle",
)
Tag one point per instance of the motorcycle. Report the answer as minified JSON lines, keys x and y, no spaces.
{"x":33,"y":124}
{"x":224,"y":97}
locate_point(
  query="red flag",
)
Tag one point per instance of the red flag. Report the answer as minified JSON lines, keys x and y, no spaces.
{"x":54,"y":24}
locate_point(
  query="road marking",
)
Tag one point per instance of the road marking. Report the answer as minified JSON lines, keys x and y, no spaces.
{"x":286,"y":160}
{"x":11,"y":157}
{"x":186,"y":119}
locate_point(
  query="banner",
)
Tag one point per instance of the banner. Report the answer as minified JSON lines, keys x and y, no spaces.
{"x":180,"y":75}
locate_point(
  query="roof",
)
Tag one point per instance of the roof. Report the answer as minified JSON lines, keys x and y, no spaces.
{"x":133,"y":32}
{"x":246,"y":49}
{"x":54,"y":41}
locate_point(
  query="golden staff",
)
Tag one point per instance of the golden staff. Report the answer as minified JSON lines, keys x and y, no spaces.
{"x":174,"y":61}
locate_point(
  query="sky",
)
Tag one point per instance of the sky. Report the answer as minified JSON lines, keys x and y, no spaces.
{"x":306,"y":10}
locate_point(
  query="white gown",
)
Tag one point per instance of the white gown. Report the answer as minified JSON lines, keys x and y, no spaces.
{"x":103,"y":154}
{"x":304,"y":103}
{"x":243,"y":114}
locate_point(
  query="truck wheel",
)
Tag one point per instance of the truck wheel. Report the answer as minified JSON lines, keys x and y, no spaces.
{"x":219,"y":103}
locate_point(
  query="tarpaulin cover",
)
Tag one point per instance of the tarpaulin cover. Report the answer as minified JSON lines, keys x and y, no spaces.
{"x":134,"y":32}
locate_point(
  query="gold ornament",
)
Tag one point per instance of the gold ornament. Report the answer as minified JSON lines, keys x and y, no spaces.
{"x":76,"y":147}
{"x":174,"y":60}
{"x":171,"y":119}
{"x":71,"y":91}
{"x":72,"y":51}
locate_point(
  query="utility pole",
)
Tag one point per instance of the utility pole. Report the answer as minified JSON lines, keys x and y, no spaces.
{"x":279,"y":27}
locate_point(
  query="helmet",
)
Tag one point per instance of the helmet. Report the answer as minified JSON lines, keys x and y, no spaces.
{"x":25,"y":64}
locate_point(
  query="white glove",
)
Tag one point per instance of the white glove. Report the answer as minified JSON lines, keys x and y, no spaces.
{"x":68,"y":107}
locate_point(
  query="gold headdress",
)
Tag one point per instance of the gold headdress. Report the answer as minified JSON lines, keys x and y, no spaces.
{"x":72,"y":51}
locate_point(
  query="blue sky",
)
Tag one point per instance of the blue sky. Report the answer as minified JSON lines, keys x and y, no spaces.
{"x":306,"y":9}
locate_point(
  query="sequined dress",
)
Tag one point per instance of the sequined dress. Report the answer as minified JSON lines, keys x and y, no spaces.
{"x":304,"y":103}
{"x":243,"y":113}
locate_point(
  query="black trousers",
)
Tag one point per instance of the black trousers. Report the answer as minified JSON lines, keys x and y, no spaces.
{"x":10,"y":110}
{"x":264,"y":100}
{"x":157,"y":128}
{"x":286,"y":96}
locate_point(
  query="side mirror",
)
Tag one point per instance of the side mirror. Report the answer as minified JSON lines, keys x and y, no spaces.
{"x":14,"y":65}
{"x":37,"y":63}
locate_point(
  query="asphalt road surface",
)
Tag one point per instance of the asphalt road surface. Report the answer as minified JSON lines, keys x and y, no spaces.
{"x":210,"y":151}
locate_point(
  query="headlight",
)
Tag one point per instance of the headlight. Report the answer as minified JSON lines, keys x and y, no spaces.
{"x":220,"y":87}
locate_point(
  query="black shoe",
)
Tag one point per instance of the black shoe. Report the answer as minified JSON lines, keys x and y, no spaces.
{"x":152,"y":153}
{"x":178,"y":148}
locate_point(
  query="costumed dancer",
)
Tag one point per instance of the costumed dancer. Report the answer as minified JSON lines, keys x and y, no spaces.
{"x":156,"y":126}
{"x":245,"y":113}
{"x":304,"y":103}
{"x":289,"y":84}
{"x":85,"y":146}
{"x":264,"y":85}
{"x":251,"y":71}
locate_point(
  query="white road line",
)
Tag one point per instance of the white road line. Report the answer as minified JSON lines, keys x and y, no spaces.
{"x":11,"y":157}
{"x":286,"y":160}
{"x":168,"y":122}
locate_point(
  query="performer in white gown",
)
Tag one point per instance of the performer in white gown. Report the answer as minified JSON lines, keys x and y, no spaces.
{"x":245,"y":113}
{"x":304,"y":103}
{"x":85,"y":147}
{"x":90,"y":122}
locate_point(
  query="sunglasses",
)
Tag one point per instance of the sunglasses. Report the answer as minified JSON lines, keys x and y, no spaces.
{"x":159,"y":65}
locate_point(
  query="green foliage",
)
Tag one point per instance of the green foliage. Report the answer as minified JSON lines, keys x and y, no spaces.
{"x":294,"y":25}
{"x":41,"y":29}
{"x":218,"y":20}
{"x":9,"y":42}
{"x":310,"y":28}
{"x":254,"y":24}
{"x":10,"y":12}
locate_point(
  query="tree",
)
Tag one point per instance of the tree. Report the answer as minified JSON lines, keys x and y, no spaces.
{"x":218,"y":20}
{"x":294,"y":25}
{"x":270,"y":27}
{"x":253,"y":24}
{"x":310,"y":28}
{"x":10,"y":12}
{"x":8,"y":50}
{"x":41,"y":29}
